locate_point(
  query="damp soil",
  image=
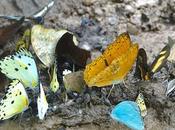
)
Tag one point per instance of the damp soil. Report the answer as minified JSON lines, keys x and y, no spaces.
{"x":96,"y":23}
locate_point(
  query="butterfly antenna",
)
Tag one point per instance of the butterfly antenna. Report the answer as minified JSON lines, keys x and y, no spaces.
{"x":113,"y":85}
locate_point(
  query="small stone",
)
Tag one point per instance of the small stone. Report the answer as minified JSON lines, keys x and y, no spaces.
{"x":98,"y":11}
{"x":112,"y":20}
{"x":87,"y":2}
{"x":132,"y":29}
{"x":129,"y":8}
{"x":80,"y":11}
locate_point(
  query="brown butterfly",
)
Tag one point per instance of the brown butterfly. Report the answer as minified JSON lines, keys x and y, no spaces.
{"x":7,"y":32}
{"x":67,"y":52}
{"x":145,"y":72}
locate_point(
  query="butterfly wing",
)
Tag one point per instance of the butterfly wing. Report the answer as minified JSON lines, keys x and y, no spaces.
{"x":42,"y":104}
{"x":117,"y":48}
{"x":20,"y":66}
{"x":172,"y":54}
{"x":170,"y":91}
{"x":117,"y":70}
{"x":161,"y":59}
{"x":44,"y":42}
{"x":141,"y":103}
{"x":142,"y":69}
{"x":15,"y":101}
{"x":128,"y":113}
{"x":114,"y":50}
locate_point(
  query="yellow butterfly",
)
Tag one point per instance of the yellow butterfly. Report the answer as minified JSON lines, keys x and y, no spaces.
{"x":113,"y":65}
{"x":141,"y":103}
{"x":15,"y":101}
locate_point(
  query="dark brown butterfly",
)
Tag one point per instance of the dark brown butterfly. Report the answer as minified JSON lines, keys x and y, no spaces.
{"x":7,"y":32}
{"x":67,"y":53}
{"x":145,"y":72}
{"x":142,"y":68}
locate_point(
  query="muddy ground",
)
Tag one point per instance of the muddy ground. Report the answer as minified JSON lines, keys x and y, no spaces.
{"x":96,"y":23}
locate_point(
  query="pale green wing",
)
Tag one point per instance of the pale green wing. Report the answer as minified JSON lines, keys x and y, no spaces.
{"x":15,"y":101}
{"x":21,"y":66}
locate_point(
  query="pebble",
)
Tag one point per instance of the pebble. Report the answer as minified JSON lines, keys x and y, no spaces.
{"x":112,"y":20}
{"x":98,"y":11}
{"x":87,"y":2}
{"x":132,"y":29}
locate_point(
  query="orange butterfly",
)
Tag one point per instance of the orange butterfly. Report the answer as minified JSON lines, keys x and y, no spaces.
{"x":113,"y":65}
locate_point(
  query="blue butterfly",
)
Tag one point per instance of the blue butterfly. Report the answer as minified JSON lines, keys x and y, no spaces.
{"x":128,"y":113}
{"x":21,"y":66}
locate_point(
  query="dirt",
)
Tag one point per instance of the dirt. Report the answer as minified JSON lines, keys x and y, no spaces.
{"x":96,"y":23}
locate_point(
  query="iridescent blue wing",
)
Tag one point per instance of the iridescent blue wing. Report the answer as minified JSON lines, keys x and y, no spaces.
{"x":128,"y":113}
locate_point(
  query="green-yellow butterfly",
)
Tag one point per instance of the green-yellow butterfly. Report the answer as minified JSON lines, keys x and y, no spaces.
{"x":15,"y":101}
{"x":141,"y":103}
{"x":54,"y":84}
{"x":21,"y":66}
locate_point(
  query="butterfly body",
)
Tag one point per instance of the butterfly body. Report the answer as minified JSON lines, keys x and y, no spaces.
{"x":114,"y":64}
{"x":128,"y":113}
{"x":21,"y":66}
{"x":15,"y":101}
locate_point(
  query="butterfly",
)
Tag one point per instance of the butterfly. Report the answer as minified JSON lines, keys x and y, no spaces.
{"x":145,"y":72}
{"x":42,"y":104}
{"x":69,"y":55}
{"x":37,"y":17}
{"x":7,"y":32}
{"x":54,"y":84}
{"x":141,"y":103}
{"x":15,"y":100}
{"x":128,"y":113}
{"x":74,"y":82}
{"x":21,"y":65}
{"x":142,"y":68}
{"x":172,"y":54}
{"x":170,"y":89}
{"x":113,"y":65}
{"x":44,"y":43}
